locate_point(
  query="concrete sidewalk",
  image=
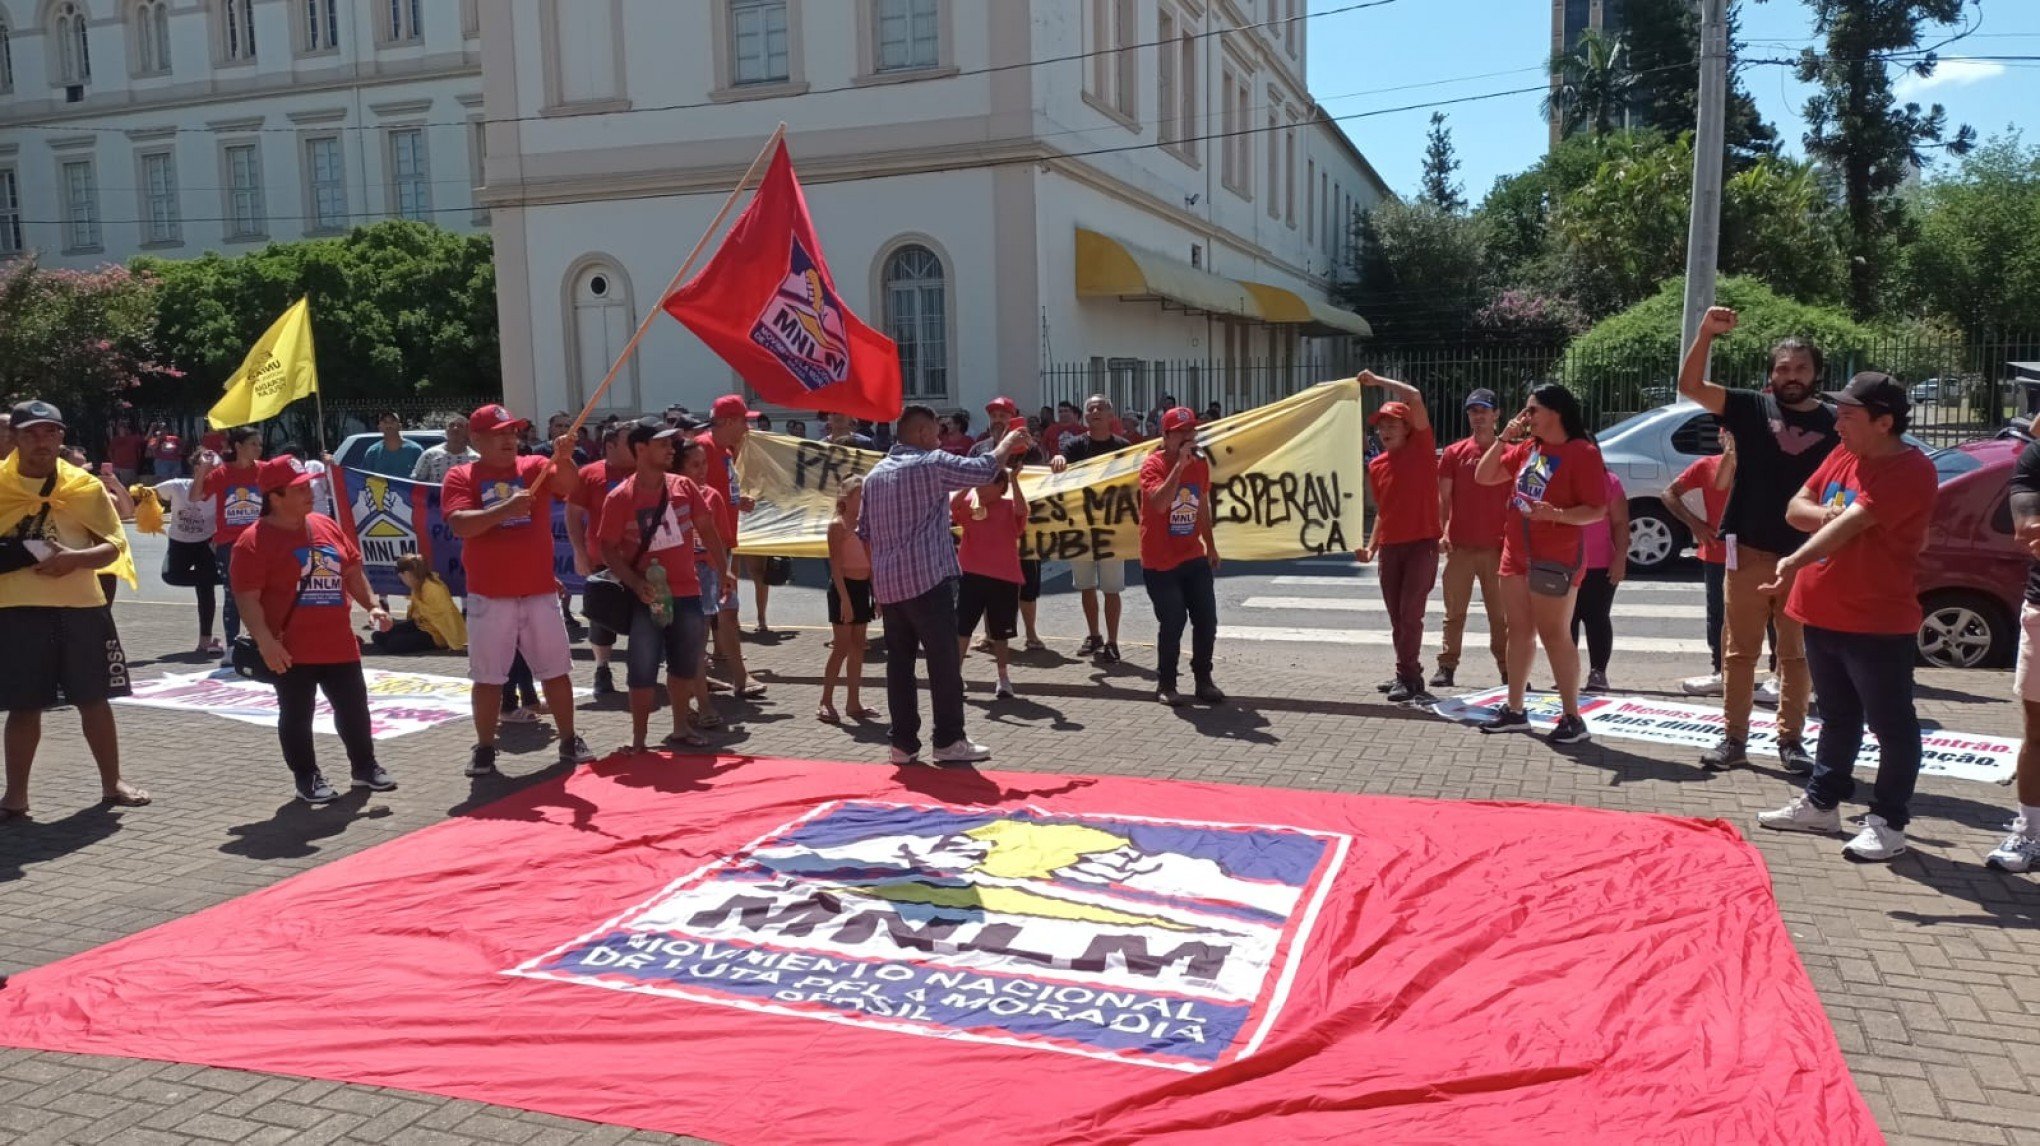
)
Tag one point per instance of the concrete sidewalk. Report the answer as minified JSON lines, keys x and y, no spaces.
{"x":1917,"y":962}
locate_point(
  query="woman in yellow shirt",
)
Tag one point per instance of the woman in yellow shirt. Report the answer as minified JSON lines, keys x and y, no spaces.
{"x":432,"y":622}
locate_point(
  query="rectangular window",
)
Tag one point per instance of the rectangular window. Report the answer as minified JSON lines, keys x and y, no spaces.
{"x":909,"y":35}
{"x":326,"y":181}
{"x":1290,"y":27}
{"x":1126,"y":80}
{"x":1289,"y":175}
{"x":81,"y":206}
{"x":758,"y":42}
{"x":237,"y":32}
{"x":10,"y":212}
{"x":246,"y":217}
{"x":1228,"y":125}
{"x":478,"y":159}
{"x":409,"y":178}
{"x":403,"y":22}
{"x":322,"y":25}
{"x":159,"y":198}
{"x":1274,"y":169}
{"x":1310,"y":201}
{"x":1166,"y":123}
{"x":1186,"y":73}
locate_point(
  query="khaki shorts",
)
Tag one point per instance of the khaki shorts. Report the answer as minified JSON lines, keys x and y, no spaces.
{"x":2026,"y":677}
{"x":1088,"y":573}
{"x":501,"y":627}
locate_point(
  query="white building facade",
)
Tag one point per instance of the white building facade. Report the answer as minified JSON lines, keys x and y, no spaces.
{"x":176,"y":127}
{"x":1033,"y":197}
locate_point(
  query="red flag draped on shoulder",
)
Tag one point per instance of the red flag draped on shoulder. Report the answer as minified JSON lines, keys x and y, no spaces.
{"x":767,"y":304}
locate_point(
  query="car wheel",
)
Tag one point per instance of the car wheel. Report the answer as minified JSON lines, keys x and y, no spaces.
{"x":1964,"y":630}
{"x":1654,"y":538}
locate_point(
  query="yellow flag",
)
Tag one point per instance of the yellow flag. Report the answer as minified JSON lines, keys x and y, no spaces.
{"x":278,"y":371}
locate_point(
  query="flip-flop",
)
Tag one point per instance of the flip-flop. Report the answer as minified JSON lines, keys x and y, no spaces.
{"x":751,"y":691}
{"x":862,"y":713}
{"x":708,"y":720}
{"x":140,"y":799}
{"x":9,"y":815}
{"x":828,"y":715}
{"x":691,"y":740}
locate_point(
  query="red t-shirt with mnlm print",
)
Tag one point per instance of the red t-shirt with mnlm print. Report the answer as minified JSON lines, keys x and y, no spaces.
{"x":1565,"y":475}
{"x":1170,"y":536}
{"x":1406,"y":490}
{"x":1867,"y":585}
{"x":515,"y":558}
{"x":271,"y":561}
{"x":629,"y":511}
{"x":239,"y":497}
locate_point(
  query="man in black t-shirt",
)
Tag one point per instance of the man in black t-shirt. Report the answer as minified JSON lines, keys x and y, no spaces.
{"x":1781,"y":437}
{"x":1095,"y":573}
{"x":2021,"y":849}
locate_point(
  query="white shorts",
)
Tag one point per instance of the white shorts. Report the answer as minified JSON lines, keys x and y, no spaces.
{"x":2026,"y":677}
{"x":501,"y":627}
{"x":1088,"y":573}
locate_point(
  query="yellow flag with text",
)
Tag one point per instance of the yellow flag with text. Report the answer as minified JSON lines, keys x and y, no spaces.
{"x":1287,"y":481}
{"x":278,"y":371}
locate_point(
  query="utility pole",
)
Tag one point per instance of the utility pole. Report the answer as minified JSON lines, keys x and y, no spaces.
{"x":1703,"y":237}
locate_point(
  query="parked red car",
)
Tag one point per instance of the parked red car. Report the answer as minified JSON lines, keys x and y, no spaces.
{"x":1972,"y":574}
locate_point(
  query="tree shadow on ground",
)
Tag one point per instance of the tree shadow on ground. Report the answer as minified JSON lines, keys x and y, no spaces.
{"x":25,"y":842}
{"x":964,"y":784}
{"x":293,"y":831}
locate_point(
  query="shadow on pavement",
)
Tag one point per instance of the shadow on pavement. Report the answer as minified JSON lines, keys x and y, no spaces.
{"x":32,"y":841}
{"x":293,"y":832}
{"x":1233,"y":720}
{"x":1627,"y":767}
{"x":964,"y":784}
{"x":2007,"y":900}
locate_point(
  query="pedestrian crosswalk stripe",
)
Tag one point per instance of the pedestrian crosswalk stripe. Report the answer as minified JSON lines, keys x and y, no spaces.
{"x":1689,"y":588}
{"x":1374,"y":604}
{"x":1383,"y":637}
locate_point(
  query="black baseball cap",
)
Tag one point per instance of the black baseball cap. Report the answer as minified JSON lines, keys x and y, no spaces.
{"x":1483,"y":398}
{"x":649,"y":429}
{"x":34,"y":413}
{"x":1875,"y":391}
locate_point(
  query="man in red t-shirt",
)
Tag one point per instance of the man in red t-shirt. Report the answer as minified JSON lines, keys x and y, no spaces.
{"x":650,"y":520}
{"x":235,"y":488}
{"x":501,"y":509}
{"x":1851,"y":586}
{"x":1179,"y":555}
{"x":584,"y":528}
{"x":124,"y":450}
{"x":1474,"y":515}
{"x":1406,"y":526}
{"x":294,"y":572}
{"x":723,"y":443}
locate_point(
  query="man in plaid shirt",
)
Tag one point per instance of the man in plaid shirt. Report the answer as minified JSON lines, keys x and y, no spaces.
{"x":914,"y":573}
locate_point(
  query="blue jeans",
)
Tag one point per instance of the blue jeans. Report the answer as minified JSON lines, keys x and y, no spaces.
{"x":1185,"y":593}
{"x":924,"y":625}
{"x":1864,"y":678}
{"x":676,"y":644}
{"x":230,"y":614}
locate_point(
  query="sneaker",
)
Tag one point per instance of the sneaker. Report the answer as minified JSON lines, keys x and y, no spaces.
{"x":1728,"y":752}
{"x":518,"y":715}
{"x":1420,"y":697}
{"x":1597,"y":681}
{"x":1442,"y":678}
{"x":1111,"y":654}
{"x":984,"y":645}
{"x":1506,"y":719}
{"x":1091,"y":647}
{"x":1878,"y":842}
{"x":313,"y":789}
{"x":1709,"y":685}
{"x":1388,"y":684}
{"x":1003,"y":691}
{"x":900,"y":758}
{"x":605,"y":681}
{"x":1794,"y":758}
{"x":2019,"y":852}
{"x":376,"y":779}
{"x":1399,"y":691}
{"x":964,"y":751}
{"x":1168,"y":695}
{"x":1569,"y":730}
{"x":1801,"y":816}
{"x":482,"y":761}
{"x":574,"y":750}
{"x":1209,"y":693}
{"x":1767,"y":693}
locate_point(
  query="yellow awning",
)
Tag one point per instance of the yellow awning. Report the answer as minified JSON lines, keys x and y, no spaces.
{"x":1285,"y":307}
{"x":1108,"y":268}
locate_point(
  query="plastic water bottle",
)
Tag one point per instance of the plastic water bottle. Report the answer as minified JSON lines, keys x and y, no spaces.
{"x":662,"y":592}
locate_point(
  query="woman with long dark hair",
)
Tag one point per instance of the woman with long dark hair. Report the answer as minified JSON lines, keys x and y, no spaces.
{"x":1560,"y":487}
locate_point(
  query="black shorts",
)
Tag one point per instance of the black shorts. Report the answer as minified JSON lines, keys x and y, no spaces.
{"x":860,"y":602}
{"x":190,"y":565}
{"x":59,"y":656}
{"x":998,"y":602}
{"x":1030,"y":580}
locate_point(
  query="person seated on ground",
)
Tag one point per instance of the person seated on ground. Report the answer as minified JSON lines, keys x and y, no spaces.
{"x":432,"y":622}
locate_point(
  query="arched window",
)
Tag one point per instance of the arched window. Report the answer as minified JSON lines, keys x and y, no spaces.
{"x":151,"y":32}
{"x":917,"y":319}
{"x":6,"y":58}
{"x":600,"y":321}
{"x":73,"y":49}
{"x":237,"y":30}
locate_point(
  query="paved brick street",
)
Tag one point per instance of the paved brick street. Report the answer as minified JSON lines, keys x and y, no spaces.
{"x":1917,"y":961}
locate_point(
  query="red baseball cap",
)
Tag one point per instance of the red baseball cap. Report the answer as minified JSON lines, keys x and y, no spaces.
{"x":1179,"y":418}
{"x":1391,"y":410}
{"x":493,"y":417}
{"x":282,"y":472}
{"x":731,"y":406}
{"x":1003,"y":403}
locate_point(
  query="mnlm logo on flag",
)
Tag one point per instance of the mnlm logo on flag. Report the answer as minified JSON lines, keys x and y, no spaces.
{"x":768,"y":306}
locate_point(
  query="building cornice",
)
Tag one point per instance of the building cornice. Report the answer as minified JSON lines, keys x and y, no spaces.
{"x":316,"y":116}
{"x":210,"y":93}
{"x":402,"y":107}
{"x":151,"y":134}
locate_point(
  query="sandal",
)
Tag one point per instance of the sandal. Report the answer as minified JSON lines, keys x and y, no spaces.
{"x":132,"y":798}
{"x":708,"y":720}
{"x":685,"y":740}
{"x":826,"y":713}
{"x":863,"y":712}
{"x":751,"y":691}
{"x":9,"y":815}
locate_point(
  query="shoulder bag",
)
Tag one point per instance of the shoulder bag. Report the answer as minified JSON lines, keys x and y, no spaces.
{"x":1551,"y":578}
{"x":246,"y":655}
{"x":605,"y":599}
{"x":14,"y":551}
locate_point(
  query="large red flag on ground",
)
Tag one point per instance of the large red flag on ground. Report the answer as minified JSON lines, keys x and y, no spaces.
{"x":768,"y":305}
{"x":797,"y":951}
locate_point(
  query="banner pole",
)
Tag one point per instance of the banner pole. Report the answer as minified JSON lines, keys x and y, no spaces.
{"x":319,"y":404}
{"x":653,"y":311}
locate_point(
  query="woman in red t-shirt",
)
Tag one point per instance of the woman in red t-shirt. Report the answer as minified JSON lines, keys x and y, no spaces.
{"x":293,"y":573}
{"x":1561,"y":486}
{"x":992,"y":517}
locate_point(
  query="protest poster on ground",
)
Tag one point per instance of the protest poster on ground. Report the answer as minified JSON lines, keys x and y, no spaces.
{"x":1942,"y":753}
{"x":399,"y":703}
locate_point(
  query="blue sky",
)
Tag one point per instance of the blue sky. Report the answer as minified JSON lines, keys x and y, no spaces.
{"x":1358,"y":58}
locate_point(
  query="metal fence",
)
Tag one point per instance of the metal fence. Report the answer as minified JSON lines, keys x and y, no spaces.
{"x":1961,"y":389}
{"x":299,"y":423}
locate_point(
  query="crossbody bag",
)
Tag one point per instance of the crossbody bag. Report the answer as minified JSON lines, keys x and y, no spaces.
{"x":606,"y":600}
{"x":1551,"y":578}
{"x":246,"y":656}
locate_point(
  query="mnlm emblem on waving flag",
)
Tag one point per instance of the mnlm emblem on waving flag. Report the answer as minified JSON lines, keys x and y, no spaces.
{"x":768,"y":306}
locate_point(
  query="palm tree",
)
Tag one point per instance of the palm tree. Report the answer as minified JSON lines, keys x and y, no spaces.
{"x":1590,"y":85}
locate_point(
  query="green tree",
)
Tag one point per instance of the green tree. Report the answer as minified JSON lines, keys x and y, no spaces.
{"x":1780,"y":226}
{"x":1440,"y":161}
{"x":1858,"y":129}
{"x":1975,"y":260}
{"x":1663,"y":42}
{"x":1420,"y":272}
{"x":83,"y":340}
{"x":1516,"y":215}
{"x":1591,"y":85}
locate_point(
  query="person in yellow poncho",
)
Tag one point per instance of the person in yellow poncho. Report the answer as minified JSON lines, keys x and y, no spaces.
{"x":58,"y":531}
{"x":433,"y":622}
